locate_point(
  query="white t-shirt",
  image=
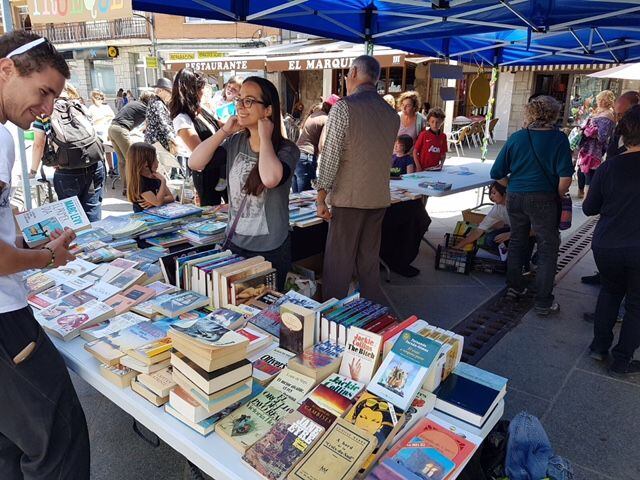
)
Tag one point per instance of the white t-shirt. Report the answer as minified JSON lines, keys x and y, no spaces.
{"x":101,"y":117}
{"x":497,"y":214}
{"x":13,"y":291}
{"x":182,"y":121}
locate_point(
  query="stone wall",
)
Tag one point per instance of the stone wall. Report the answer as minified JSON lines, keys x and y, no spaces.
{"x":522,"y":85}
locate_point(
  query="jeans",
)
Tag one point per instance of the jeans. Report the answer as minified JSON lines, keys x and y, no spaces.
{"x":537,"y":211}
{"x":528,"y":449}
{"x":43,"y":431}
{"x":86,"y":184}
{"x":620,"y":277}
{"x":280,"y":259}
{"x":305,"y":172}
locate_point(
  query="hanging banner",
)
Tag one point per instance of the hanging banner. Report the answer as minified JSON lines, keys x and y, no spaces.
{"x":71,"y":11}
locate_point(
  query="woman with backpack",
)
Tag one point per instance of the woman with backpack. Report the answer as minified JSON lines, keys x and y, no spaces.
{"x":68,"y":141}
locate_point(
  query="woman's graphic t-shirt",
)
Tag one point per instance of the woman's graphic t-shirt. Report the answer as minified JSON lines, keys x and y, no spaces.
{"x":264,"y":220}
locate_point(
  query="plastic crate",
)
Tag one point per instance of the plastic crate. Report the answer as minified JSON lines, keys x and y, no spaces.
{"x":451,"y":259}
{"x":488,"y":265}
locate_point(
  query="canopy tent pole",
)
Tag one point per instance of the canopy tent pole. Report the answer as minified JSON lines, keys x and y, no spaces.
{"x":16,"y":132}
{"x":490,"y":107}
{"x":368,"y":37}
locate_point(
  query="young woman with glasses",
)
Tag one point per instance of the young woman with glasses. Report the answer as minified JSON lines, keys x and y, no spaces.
{"x":260,"y":163}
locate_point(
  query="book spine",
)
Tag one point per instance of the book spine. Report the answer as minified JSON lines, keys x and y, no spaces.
{"x":392,"y":332}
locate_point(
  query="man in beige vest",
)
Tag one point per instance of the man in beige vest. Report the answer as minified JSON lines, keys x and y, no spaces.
{"x":354,"y":180}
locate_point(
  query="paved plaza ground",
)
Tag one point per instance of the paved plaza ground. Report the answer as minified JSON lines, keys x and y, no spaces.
{"x":591,"y":418}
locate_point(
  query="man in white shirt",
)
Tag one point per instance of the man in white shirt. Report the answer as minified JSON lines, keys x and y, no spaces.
{"x":43,"y":432}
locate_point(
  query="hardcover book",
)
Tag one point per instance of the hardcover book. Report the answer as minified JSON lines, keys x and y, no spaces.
{"x":361,"y":356}
{"x":37,"y":224}
{"x":405,"y":369}
{"x":339,"y":455}
{"x":252,"y":421}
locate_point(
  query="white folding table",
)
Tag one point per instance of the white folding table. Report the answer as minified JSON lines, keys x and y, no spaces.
{"x":211,"y":454}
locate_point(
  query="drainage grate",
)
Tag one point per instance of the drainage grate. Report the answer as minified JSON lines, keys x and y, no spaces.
{"x":491,"y":321}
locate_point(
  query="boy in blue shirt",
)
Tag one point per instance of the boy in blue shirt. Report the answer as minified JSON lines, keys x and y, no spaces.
{"x":401,"y":158}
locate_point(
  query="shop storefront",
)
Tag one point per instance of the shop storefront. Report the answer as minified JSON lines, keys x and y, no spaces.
{"x":214,"y":65}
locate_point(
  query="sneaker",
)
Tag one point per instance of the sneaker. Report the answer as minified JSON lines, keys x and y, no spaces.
{"x":591,"y":279}
{"x":599,"y":356}
{"x":620,"y":368}
{"x":222,"y":185}
{"x":546,"y":311}
{"x":515,"y":294}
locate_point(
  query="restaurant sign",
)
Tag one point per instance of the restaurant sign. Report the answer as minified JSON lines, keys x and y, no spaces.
{"x":300,"y":62}
{"x":66,"y":11}
{"x":223,"y":65}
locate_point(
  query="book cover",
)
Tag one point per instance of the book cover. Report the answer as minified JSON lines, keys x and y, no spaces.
{"x":37,"y":224}
{"x":252,"y":421}
{"x":320,"y":356}
{"x":467,"y":399}
{"x":270,"y":364}
{"x":63,"y":306}
{"x":361,"y":356}
{"x":38,"y":282}
{"x":293,"y":384}
{"x":68,"y":326}
{"x":275,"y":454}
{"x":330,"y":400}
{"x":483,"y":377}
{"x":113,"y":325}
{"x":103,"y":290}
{"x":405,"y":369}
{"x":174,"y":304}
{"x":344,"y":386}
{"x":248,"y":288}
{"x":379,"y":418}
{"x":421,"y":406}
{"x":127,"y":278}
{"x":269,"y":319}
{"x":257,"y":340}
{"x":296,"y":328}
{"x":174,"y":210}
{"x":208,"y":333}
{"x":124,"y":264}
{"x":227,"y":318}
{"x":418,"y":443}
{"x":339,"y":455}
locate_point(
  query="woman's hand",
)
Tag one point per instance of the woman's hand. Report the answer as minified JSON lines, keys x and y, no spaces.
{"x":69,"y":235}
{"x":144,"y":204}
{"x":232,"y":126}
{"x":265,"y":129}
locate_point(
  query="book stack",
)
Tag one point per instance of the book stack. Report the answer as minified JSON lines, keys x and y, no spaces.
{"x":154,"y":387}
{"x":269,"y":320}
{"x":210,"y":369}
{"x":268,"y":363}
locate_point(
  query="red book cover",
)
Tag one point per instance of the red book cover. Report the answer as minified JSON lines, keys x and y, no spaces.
{"x":390,"y":333}
{"x":428,"y":434}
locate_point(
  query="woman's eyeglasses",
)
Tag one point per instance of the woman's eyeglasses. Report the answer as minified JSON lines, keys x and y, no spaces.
{"x":247,"y":102}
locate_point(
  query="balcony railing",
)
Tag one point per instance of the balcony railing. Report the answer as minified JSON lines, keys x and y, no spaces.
{"x":93,"y":31}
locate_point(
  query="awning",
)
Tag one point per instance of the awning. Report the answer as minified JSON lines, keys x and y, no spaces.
{"x":626,"y":72}
{"x":489,"y":32}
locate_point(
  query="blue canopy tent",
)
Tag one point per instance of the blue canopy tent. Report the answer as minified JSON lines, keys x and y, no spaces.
{"x":492,"y":32}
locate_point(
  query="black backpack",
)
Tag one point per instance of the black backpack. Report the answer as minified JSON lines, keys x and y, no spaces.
{"x":71,"y":141}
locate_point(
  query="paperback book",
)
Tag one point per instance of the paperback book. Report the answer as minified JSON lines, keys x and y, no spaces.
{"x":269,"y":364}
{"x":111,"y":326}
{"x":318,"y":361}
{"x":68,"y":326}
{"x":361,"y":356}
{"x":37,"y":224}
{"x":173,"y":304}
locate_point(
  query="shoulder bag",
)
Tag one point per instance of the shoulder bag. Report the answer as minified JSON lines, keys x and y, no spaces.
{"x":565,"y":205}
{"x":234,"y":224}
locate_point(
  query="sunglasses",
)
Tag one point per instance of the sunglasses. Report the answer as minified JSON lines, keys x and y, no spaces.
{"x":26,"y":47}
{"x":247,"y":102}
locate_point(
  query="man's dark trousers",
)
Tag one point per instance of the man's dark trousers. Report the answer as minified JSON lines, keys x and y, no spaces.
{"x":353,"y":247}
{"x":43,"y":431}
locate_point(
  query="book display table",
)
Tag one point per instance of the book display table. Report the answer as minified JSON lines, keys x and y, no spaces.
{"x":462,"y":177}
{"x":211,"y":454}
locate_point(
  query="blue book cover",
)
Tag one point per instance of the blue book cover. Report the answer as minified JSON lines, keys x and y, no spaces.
{"x":405,"y":369}
{"x":466,"y":396}
{"x":174,"y":210}
{"x":481,"y":376}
